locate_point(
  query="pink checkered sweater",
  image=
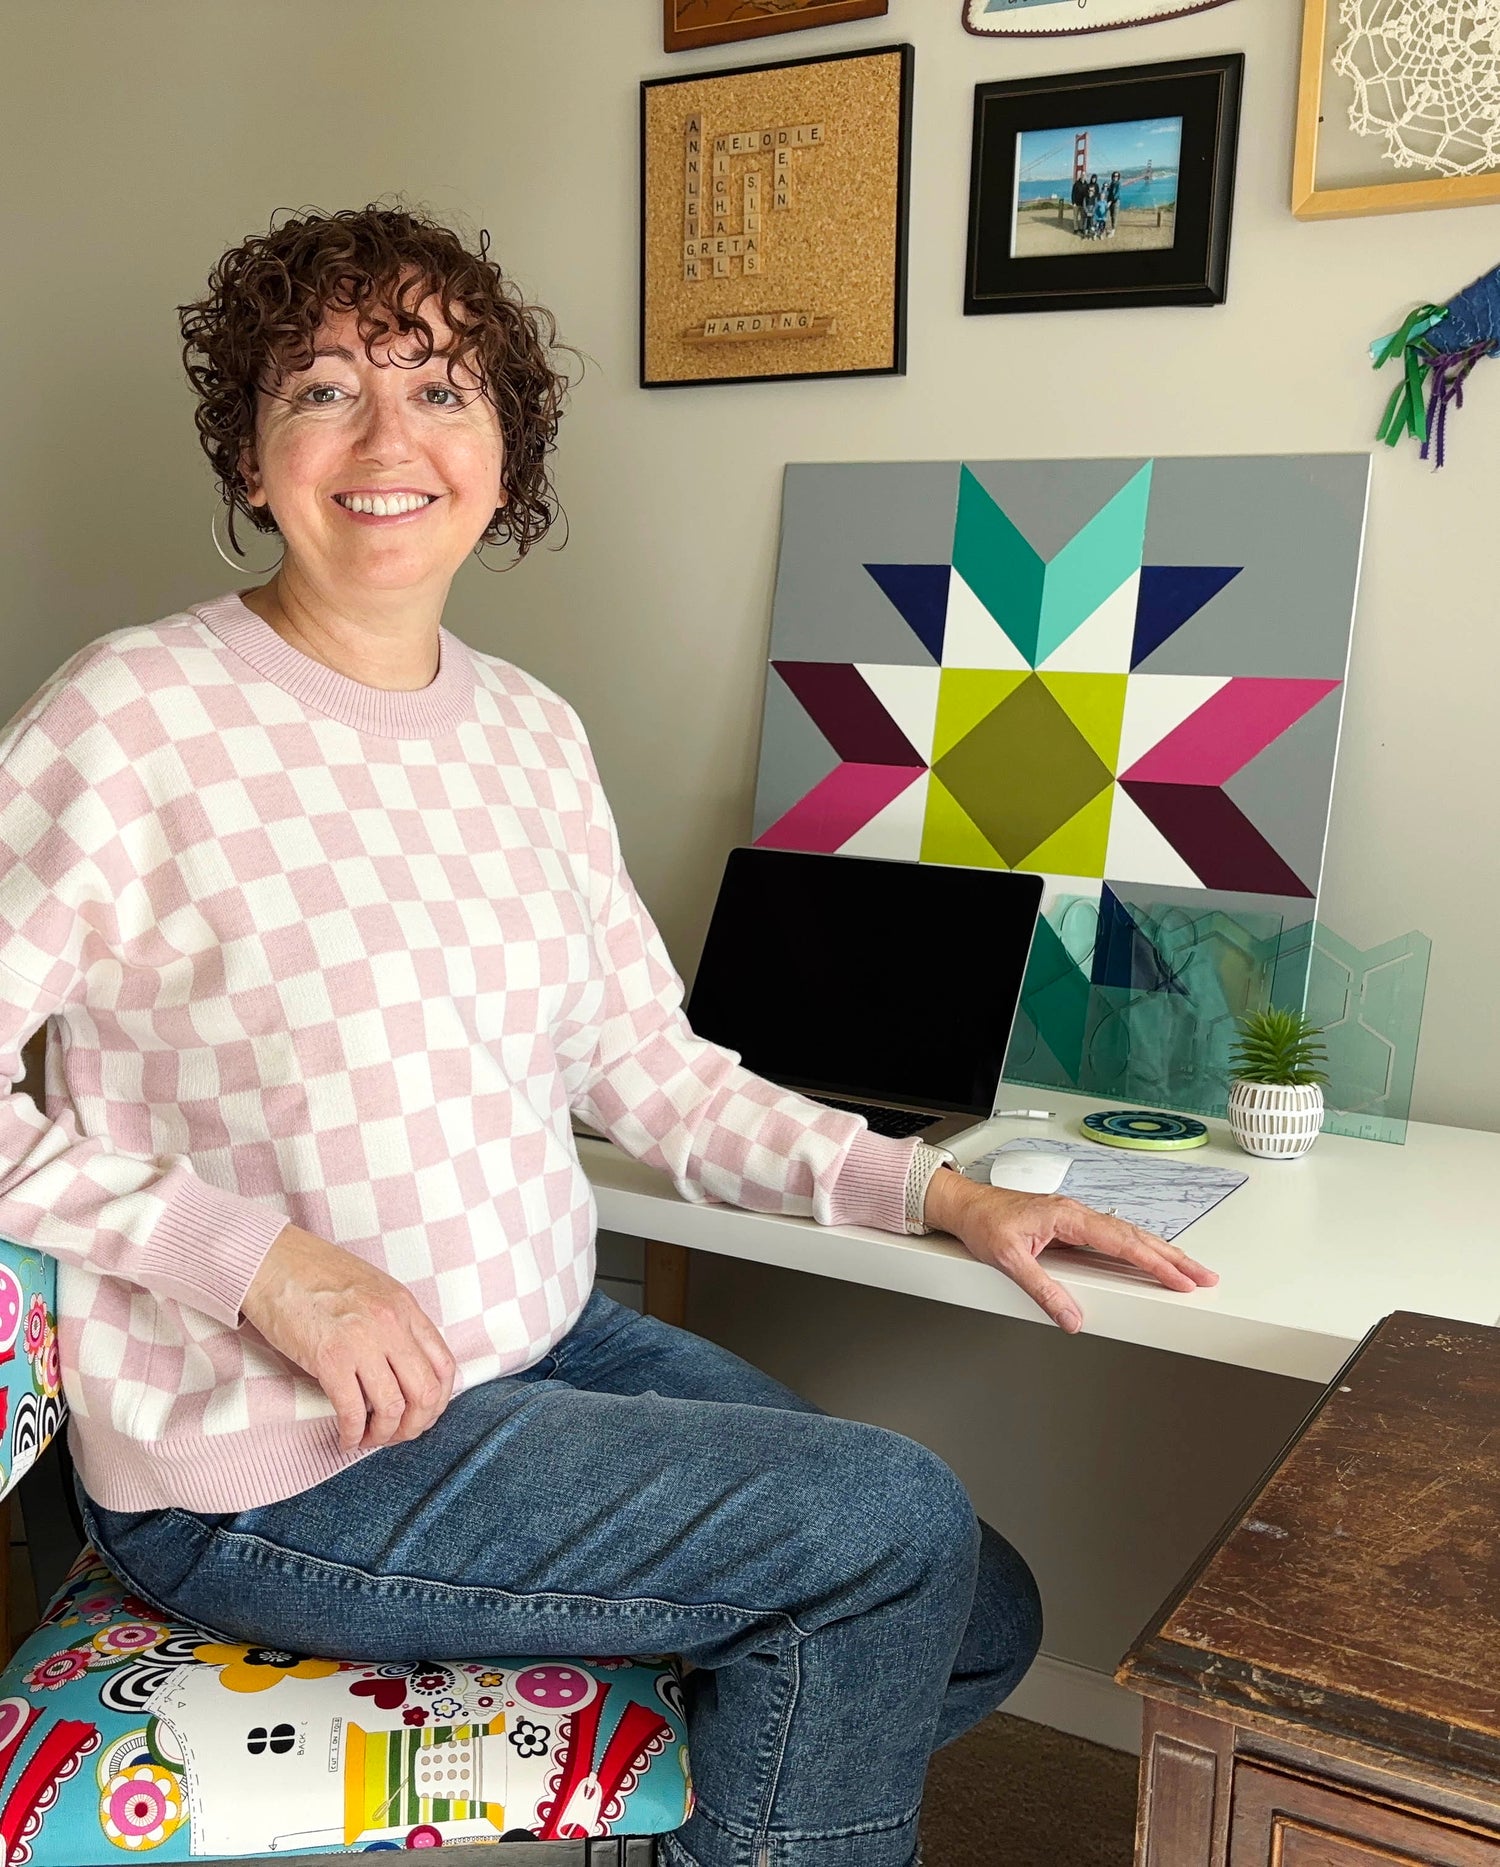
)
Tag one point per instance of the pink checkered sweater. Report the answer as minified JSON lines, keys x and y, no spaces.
{"x":320,"y":953}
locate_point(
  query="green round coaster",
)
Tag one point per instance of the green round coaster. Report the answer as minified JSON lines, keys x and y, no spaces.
{"x":1150,"y":1131}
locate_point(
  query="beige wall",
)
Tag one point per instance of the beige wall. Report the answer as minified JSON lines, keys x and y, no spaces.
{"x":140,"y":139}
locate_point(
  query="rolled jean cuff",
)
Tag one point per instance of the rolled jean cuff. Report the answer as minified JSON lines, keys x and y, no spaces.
{"x":706,"y":1842}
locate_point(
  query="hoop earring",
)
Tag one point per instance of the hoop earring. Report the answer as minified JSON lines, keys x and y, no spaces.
{"x":239,"y":564}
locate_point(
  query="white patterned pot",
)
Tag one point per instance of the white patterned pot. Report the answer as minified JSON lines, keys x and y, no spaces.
{"x":1275,"y":1120}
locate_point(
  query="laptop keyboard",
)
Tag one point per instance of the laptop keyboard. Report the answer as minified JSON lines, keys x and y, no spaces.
{"x":883,"y":1120}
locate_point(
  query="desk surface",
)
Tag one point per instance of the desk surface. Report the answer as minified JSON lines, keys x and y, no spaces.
{"x":1310,"y":1253}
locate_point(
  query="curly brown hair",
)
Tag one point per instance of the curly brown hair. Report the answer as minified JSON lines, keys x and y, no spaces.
{"x":268,"y":295}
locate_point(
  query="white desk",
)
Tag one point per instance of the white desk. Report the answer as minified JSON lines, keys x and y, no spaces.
{"x":1309,"y":1253}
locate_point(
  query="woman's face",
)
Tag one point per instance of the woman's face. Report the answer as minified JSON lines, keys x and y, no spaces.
{"x":333,"y":439}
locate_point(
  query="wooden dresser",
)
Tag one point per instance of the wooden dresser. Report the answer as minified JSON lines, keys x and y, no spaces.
{"x":1323,"y":1690}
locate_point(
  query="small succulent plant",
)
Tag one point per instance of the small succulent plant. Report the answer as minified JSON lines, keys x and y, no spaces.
{"x":1277,"y":1046}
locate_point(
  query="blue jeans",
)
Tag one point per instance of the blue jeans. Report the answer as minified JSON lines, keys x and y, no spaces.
{"x":642,"y":1491}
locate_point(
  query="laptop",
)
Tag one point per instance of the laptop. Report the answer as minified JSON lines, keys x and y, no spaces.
{"x":885,"y":988}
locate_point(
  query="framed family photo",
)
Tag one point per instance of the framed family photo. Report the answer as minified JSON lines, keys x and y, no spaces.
{"x":690,"y":23}
{"x":1093,"y":189}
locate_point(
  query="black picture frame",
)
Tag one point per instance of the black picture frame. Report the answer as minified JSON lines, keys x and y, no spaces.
{"x":1203,"y":92}
{"x":897,"y":364}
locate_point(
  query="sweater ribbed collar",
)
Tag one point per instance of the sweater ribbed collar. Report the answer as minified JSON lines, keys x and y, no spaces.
{"x":386,"y":713}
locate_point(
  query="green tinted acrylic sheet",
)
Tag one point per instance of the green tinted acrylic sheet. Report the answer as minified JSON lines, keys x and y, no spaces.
{"x":1166,"y":1041}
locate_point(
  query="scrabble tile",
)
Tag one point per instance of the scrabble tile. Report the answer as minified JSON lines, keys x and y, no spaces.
{"x":752,"y":263}
{"x":692,"y":270}
{"x":783,"y":199}
{"x":721,"y":268}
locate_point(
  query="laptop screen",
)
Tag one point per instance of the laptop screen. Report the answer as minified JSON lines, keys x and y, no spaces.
{"x":850,"y":976}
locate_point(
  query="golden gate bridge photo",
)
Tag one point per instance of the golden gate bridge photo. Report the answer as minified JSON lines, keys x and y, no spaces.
{"x":1097,"y":188}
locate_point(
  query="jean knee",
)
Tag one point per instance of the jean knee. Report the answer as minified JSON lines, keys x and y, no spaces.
{"x":918,"y":1504}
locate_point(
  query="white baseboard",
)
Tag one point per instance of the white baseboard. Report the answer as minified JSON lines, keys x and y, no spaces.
{"x":1080,"y":1701}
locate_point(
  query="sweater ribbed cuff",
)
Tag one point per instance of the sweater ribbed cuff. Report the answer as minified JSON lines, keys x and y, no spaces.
{"x":206,"y":1247}
{"x":871,"y":1186}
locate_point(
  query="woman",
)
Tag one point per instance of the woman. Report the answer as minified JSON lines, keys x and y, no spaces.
{"x":330,"y":912}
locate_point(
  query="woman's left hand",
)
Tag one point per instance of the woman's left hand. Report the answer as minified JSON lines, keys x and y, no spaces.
{"x":1011,"y":1230}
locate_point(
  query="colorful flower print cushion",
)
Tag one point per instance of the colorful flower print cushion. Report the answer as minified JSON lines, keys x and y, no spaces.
{"x":31,"y":1403}
{"x":121,"y":1734}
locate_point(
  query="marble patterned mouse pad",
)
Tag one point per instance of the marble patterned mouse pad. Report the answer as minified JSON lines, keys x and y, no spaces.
{"x":1162,"y":1194}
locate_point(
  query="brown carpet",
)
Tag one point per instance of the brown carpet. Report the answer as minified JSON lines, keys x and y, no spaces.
{"x":1015,"y":1794}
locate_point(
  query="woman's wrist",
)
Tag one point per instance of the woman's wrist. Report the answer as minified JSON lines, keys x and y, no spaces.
{"x":948,"y":1193}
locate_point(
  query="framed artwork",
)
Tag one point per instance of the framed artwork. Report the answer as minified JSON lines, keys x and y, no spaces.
{"x":1125,"y":675}
{"x":1056,"y":19}
{"x":1398,"y":108}
{"x":774,"y":220}
{"x":1100,"y":188}
{"x":688,"y":23}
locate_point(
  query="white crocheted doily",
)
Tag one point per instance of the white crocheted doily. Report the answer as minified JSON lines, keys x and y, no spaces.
{"x":1426,"y":76}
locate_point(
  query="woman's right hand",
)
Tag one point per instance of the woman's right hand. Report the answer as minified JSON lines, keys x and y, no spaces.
{"x":360,"y":1334}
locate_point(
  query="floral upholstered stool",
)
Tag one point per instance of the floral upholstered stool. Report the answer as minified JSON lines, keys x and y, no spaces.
{"x":123,"y":1733}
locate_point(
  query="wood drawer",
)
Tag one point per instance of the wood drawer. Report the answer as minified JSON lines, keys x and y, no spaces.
{"x":1282,"y":1820}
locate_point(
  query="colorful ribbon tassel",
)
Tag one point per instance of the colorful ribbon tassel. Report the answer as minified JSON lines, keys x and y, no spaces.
{"x":1436,"y":348}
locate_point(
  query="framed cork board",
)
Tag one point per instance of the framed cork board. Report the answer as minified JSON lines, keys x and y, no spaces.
{"x":715,"y":22}
{"x":774,"y":220}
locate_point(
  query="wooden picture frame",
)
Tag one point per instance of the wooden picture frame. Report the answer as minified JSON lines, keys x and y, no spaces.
{"x":690,"y":23}
{"x":1031,"y":248}
{"x":774,"y":210}
{"x":1319,"y":195}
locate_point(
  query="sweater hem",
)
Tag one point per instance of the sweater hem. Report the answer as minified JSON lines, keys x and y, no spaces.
{"x":228,"y":1472}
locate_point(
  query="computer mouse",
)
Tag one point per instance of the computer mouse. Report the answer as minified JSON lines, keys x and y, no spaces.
{"x":1024,"y":1172}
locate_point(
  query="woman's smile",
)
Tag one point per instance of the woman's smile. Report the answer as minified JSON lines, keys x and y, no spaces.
{"x":384,"y":505}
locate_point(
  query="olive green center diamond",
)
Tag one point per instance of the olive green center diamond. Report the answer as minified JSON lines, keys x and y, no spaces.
{"x":1023,"y":771}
